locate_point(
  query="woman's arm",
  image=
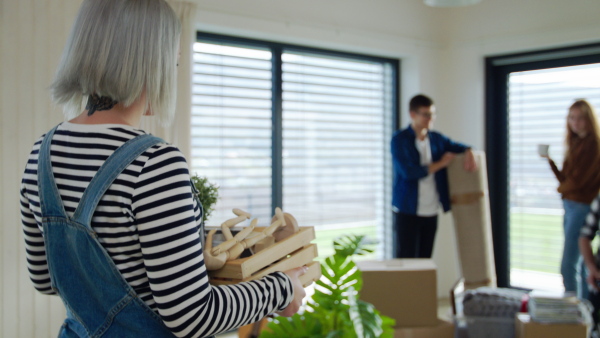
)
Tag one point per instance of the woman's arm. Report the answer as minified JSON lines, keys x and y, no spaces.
{"x":35,"y":251}
{"x":37,"y":264}
{"x":559,"y":175}
{"x":172,"y":253}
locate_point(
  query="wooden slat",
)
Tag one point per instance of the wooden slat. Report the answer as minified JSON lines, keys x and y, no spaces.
{"x":312,"y":275}
{"x":303,"y":257}
{"x":245,"y":267}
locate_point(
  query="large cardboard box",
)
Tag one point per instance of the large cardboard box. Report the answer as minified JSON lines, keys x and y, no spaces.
{"x":525,"y":328}
{"x":443,"y":329}
{"x":404,"y":289}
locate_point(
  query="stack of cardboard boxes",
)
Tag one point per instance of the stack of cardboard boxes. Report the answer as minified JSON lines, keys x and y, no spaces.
{"x":406,"y":290}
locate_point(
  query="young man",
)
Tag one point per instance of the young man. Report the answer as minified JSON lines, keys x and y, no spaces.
{"x":420,"y":157}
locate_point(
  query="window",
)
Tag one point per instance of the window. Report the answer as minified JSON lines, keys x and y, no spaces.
{"x":305,"y":129}
{"x":537,"y":109}
{"x":527,"y":98}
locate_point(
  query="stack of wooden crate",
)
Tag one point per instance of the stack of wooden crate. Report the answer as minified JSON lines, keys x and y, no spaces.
{"x":287,"y":252}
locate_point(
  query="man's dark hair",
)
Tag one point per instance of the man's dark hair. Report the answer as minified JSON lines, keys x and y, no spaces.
{"x":419,"y":101}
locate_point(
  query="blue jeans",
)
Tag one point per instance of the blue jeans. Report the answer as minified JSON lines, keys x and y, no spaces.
{"x":572,"y":267}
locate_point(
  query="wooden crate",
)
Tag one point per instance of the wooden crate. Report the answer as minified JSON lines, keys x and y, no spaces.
{"x":289,"y":253}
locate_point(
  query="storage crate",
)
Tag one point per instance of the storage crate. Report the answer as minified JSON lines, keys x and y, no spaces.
{"x":291,"y":252}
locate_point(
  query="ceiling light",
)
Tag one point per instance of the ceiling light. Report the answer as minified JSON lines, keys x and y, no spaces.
{"x":450,"y":3}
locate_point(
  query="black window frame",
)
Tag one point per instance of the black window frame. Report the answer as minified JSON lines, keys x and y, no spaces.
{"x":497,"y":70}
{"x":277,"y":49}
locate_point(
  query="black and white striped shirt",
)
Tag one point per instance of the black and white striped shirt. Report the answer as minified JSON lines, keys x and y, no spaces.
{"x":148,"y":222}
{"x":590,"y":228}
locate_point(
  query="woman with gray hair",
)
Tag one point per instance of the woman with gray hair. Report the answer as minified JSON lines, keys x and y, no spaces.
{"x":111,"y":224}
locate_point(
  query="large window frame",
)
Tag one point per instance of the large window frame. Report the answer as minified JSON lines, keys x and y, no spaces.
{"x":497,"y":70}
{"x":277,"y":49}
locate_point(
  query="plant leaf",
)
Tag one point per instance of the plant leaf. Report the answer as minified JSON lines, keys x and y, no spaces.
{"x":338,"y":274}
{"x":354,"y":312}
{"x":387,"y":325}
{"x":335,"y":310}
{"x":207,"y":193}
{"x":349,"y":245}
{"x":295,"y":326}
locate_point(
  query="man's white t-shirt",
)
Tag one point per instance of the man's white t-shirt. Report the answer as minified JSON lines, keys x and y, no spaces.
{"x":429,"y":200}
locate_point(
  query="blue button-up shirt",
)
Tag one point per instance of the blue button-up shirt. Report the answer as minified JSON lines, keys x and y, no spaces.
{"x":408,"y":169}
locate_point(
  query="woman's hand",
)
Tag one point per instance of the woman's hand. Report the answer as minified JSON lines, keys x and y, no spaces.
{"x":299,"y":292}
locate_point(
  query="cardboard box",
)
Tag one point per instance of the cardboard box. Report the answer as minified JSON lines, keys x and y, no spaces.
{"x":403,"y":289}
{"x":443,"y":329}
{"x":525,"y":328}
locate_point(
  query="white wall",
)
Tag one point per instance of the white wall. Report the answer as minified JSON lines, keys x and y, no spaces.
{"x":32,"y":34}
{"x":442,"y":54}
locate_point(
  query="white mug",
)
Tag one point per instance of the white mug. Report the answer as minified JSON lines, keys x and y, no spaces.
{"x":543,"y":149}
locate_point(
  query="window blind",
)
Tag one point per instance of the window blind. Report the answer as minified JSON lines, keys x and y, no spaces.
{"x":335,"y":140}
{"x":329,"y":116}
{"x":231,"y":126}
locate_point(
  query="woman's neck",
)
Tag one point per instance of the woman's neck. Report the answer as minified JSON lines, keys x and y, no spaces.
{"x":119,"y":114}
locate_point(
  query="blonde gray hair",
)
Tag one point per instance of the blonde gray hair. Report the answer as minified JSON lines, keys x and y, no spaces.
{"x":121,"y":49}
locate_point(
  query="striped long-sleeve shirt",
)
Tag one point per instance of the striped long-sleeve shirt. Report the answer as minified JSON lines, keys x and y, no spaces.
{"x":592,"y":220}
{"x":148,"y":223}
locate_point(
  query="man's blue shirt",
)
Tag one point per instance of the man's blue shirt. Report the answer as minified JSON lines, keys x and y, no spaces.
{"x":408,"y":169}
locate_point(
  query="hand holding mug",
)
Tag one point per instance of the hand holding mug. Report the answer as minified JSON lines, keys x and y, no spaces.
{"x":543,"y":150}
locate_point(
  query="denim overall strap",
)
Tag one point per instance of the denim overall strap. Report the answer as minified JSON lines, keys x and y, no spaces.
{"x":98,"y":300}
{"x":50,"y":201}
{"x":108,"y":172}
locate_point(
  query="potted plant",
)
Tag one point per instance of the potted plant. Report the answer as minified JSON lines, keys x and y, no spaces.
{"x":207,"y":193}
{"x":335,"y":309}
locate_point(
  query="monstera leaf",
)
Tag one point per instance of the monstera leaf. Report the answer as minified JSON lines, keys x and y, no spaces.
{"x":338,"y":273}
{"x":352,"y":245}
{"x":335,"y":309}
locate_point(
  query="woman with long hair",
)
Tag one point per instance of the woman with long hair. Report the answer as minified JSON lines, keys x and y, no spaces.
{"x":579,"y":183}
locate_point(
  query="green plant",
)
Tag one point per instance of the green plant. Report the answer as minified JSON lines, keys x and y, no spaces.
{"x":335,"y":309}
{"x":207,"y":193}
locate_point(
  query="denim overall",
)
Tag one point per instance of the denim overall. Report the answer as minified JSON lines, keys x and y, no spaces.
{"x":98,"y":300}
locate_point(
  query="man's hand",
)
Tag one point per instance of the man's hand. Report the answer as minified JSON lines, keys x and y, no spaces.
{"x":447,"y":158}
{"x":469,"y":161}
{"x":442,"y":163}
